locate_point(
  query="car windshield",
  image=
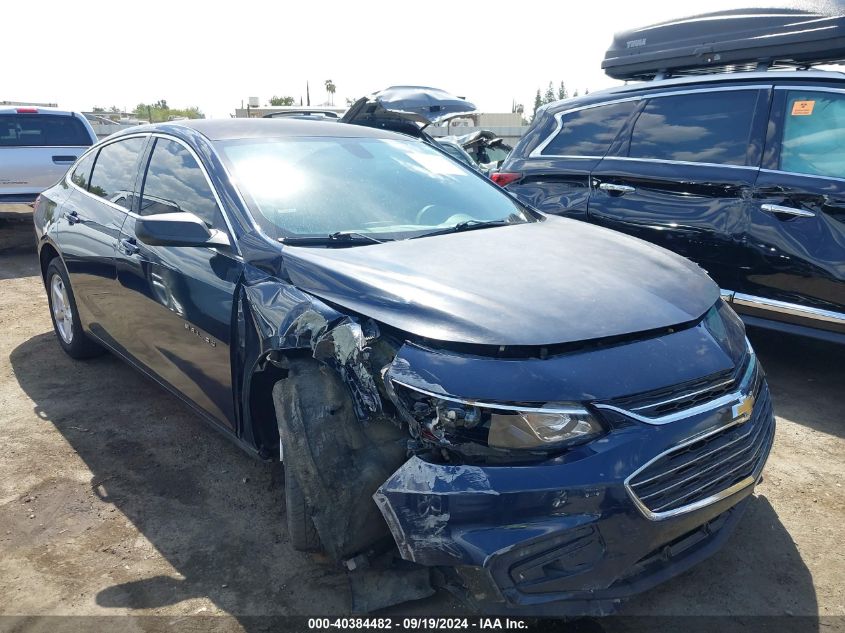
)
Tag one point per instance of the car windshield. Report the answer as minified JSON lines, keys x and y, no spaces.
{"x":374,"y":188}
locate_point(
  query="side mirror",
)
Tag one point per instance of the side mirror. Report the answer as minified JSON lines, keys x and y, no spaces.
{"x":177,"y":229}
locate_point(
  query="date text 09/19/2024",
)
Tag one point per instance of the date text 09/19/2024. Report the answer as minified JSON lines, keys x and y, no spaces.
{"x":410,"y":624}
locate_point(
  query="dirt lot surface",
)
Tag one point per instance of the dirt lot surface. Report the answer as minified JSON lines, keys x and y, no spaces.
{"x":115,"y":499}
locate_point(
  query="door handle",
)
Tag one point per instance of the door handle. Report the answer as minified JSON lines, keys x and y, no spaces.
{"x":776,"y":208}
{"x":613,"y":188}
{"x":63,"y":159}
{"x":129,"y":246}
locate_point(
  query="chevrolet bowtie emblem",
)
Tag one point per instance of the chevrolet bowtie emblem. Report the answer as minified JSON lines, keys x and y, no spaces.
{"x":741,"y":411}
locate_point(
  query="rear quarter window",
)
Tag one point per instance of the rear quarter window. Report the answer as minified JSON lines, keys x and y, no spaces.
{"x":42,"y":130}
{"x":814,"y":134}
{"x":81,"y":174}
{"x":589,"y":132}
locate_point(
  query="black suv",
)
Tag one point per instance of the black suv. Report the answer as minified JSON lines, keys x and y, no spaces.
{"x":742,"y":172}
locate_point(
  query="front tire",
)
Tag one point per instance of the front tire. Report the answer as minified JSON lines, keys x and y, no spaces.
{"x":301,"y":529}
{"x":65,"y":316}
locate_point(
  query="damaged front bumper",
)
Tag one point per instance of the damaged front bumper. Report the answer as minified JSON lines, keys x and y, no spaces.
{"x":571,"y":535}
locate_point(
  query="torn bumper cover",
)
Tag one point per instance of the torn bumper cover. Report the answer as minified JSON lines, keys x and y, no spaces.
{"x":567,"y":534}
{"x":532,"y":538}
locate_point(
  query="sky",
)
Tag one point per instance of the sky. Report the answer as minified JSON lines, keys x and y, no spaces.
{"x":215,"y":55}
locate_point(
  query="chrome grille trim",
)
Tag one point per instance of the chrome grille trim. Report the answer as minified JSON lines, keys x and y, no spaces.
{"x":746,"y":384}
{"x":760,"y":437}
{"x":698,"y":458}
{"x":691,"y":394}
{"x":750,"y":447}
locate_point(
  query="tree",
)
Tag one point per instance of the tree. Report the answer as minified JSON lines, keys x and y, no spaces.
{"x":97,"y":109}
{"x":330,"y":90}
{"x":538,"y":101}
{"x":160,"y":111}
{"x":351,"y":100}
{"x":517,"y":108}
{"x":281,"y":101}
{"x":561,"y":92}
{"x":549,"y":97}
{"x":575,"y":93}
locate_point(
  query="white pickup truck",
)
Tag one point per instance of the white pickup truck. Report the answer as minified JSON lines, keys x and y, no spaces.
{"x":37,"y":145}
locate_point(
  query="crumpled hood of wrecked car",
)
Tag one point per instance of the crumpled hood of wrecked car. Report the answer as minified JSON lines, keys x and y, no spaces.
{"x":543,"y":283}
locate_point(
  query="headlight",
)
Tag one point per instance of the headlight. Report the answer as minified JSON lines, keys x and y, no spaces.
{"x":538,"y":429}
{"x":448,"y":420}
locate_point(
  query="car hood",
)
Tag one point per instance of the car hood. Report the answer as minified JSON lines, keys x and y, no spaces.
{"x":544,"y":283}
{"x":419,"y":104}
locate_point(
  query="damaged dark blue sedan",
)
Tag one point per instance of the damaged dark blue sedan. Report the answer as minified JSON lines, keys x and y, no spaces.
{"x":558,"y":414}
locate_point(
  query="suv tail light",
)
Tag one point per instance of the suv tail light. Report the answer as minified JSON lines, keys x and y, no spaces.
{"x":27,"y":110}
{"x":504,"y":178}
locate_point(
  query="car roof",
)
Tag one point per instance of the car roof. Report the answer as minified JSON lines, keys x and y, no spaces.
{"x":230,"y":129}
{"x":704,"y":80}
{"x":40,"y":110}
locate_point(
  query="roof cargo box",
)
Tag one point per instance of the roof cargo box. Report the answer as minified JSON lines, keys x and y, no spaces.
{"x":739,"y":39}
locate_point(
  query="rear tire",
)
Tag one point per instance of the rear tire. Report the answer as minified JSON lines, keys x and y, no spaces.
{"x":301,"y":529}
{"x":65,"y":316}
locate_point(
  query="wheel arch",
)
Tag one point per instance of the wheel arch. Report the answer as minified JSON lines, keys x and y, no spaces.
{"x":47,"y":253}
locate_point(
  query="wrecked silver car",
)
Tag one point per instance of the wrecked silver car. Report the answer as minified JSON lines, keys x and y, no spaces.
{"x":410,"y":110}
{"x":486,"y":149}
{"x":554,"y":414}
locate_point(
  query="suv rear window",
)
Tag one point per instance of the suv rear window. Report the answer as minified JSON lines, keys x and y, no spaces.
{"x":700,"y":127}
{"x":44,"y":130}
{"x":589,"y":132}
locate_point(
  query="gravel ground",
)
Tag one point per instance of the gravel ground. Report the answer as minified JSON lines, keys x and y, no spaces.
{"x":115,"y":499}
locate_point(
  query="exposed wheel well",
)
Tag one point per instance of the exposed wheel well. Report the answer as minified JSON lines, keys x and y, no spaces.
{"x":262,"y":409}
{"x":262,"y":413}
{"x":48,"y":253}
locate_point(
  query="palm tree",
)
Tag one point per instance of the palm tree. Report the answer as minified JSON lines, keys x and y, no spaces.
{"x":330,"y":88}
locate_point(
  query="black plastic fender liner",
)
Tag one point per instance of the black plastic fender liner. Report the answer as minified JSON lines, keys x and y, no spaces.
{"x":338,"y":461}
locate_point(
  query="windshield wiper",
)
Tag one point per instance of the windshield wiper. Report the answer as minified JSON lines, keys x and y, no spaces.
{"x":353,"y":235}
{"x":338,"y":238}
{"x":466,"y":225}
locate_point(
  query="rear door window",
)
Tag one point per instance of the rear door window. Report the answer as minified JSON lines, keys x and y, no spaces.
{"x":701,"y":127}
{"x":115,"y":169}
{"x":42,"y":130}
{"x":814,"y":134}
{"x":175,"y":182}
{"x":589,"y":132}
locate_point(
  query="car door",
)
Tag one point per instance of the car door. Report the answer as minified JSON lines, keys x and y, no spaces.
{"x":681,"y":174}
{"x":555,"y":178}
{"x":797,"y":220}
{"x":176,"y":311}
{"x":100,"y":196}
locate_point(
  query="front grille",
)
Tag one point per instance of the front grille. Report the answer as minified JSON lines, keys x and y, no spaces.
{"x":676,"y":398}
{"x":691,"y":475}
